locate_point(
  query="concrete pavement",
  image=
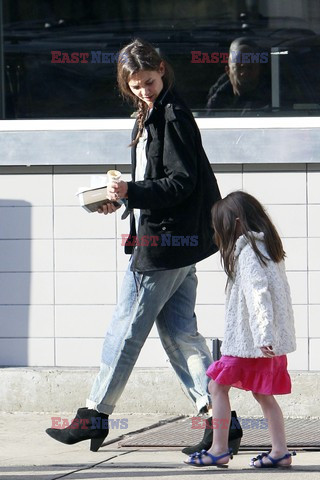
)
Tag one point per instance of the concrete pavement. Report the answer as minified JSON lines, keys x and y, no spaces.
{"x":27,"y":453}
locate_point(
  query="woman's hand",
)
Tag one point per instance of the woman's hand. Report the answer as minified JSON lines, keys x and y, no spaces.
{"x":267,"y":351}
{"x":117,"y":190}
{"x":108,"y":208}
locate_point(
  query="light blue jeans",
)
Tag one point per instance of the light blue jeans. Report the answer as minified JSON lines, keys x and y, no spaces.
{"x":168,"y":298}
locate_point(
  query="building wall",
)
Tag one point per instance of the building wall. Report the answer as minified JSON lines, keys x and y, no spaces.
{"x":61,"y":267}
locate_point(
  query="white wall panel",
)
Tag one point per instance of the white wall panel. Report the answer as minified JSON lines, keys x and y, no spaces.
{"x":61,"y":268}
{"x":75,"y":222}
{"x":34,"y":189}
{"x":80,"y":288}
{"x":314,"y":321}
{"x":276,"y":187}
{"x":76,"y":255}
{"x":82,"y":320}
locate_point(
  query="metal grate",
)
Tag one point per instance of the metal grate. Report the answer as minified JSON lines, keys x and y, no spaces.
{"x":301,"y":433}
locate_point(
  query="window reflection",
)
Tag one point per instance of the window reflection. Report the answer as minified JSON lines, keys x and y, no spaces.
{"x":246,"y":83}
{"x":287,"y":84}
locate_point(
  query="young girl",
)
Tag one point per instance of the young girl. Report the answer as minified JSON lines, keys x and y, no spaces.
{"x":259,"y":329}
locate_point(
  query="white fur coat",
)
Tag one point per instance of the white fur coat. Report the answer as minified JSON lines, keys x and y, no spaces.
{"x":258,"y":305}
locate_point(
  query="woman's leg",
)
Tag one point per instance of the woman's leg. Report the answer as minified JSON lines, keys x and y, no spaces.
{"x":185,"y":346}
{"x":273,"y":414}
{"x":142,"y":298}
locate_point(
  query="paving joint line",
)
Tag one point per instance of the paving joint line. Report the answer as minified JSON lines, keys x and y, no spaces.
{"x":120,"y":454}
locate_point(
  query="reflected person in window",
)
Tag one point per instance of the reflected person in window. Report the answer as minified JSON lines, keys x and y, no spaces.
{"x":246,"y":83}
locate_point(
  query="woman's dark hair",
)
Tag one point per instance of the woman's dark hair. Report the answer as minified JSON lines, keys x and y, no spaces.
{"x":239,"y":214}
{"x":140,"y":55}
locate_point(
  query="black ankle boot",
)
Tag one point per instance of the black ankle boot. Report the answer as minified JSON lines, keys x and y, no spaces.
{"x":235,"y":434}
{"x":87,"y":425}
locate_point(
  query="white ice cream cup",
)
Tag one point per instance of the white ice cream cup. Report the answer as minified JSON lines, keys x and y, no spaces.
{"x":113,"y":176}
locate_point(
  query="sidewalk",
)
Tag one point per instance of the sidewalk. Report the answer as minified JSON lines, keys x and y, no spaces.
{"x":27,"y":453}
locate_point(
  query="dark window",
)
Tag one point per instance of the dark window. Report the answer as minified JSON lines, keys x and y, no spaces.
{"x":279,"y":61}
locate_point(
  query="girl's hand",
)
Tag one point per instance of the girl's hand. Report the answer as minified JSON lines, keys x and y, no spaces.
{"x":117,"y":190}
{"x":267,"y":351}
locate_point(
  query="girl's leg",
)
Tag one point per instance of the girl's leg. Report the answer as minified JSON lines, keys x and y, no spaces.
{"x":273,"y":413}
{"x":221,"y":415}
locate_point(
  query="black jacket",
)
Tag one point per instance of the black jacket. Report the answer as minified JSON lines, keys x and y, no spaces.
{"x":177,"y":194}
{"x":221,"y":96}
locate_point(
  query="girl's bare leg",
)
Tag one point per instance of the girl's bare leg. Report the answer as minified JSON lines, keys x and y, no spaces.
{"x":221,"y":414}
{"x":273,"y":414}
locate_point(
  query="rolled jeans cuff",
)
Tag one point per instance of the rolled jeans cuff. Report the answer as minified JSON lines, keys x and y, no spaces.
{"x":202,"y":402}
{"x":101,"y":408}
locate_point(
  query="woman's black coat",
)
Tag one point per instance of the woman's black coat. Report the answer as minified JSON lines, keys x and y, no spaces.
{"x":176,"y":195}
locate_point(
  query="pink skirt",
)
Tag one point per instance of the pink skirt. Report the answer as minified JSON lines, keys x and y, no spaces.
{"x":268,"y":376}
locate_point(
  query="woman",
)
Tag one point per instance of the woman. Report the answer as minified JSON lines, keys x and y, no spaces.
{"x":170,"y":197}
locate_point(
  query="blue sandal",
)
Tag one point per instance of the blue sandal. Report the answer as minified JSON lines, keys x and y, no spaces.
{"x":274,"y":461}
{"x":198,"y":456}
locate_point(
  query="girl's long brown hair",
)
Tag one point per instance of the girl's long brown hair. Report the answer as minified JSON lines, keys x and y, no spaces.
{"x":239,"y":214}
{"x":140,"y":55}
